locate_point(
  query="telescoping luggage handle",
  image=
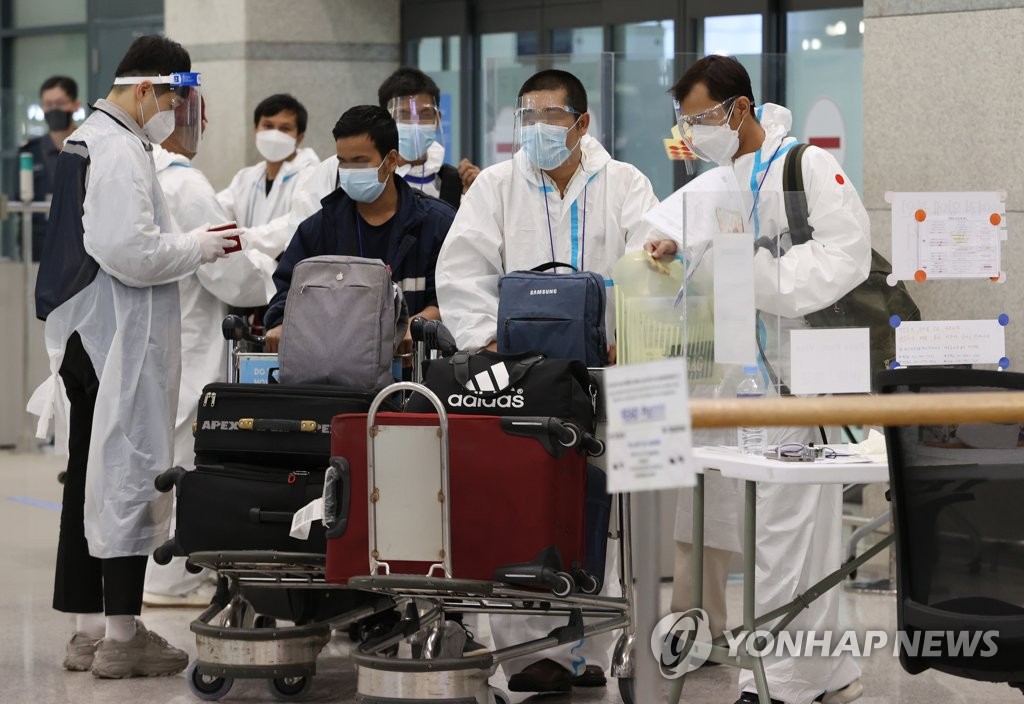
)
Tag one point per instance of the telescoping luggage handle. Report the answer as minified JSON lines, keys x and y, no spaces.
{"x":372,"y":430}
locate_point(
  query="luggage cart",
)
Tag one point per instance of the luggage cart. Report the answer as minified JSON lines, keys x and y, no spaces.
{"x":418,"y":674}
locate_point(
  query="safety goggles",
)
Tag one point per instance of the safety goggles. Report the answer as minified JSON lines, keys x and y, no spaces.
{"x":712,"y":117}
{"x":561,"y":115}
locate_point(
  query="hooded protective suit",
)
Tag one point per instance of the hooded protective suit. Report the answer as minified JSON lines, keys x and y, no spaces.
{"x":799,"y":526}
{"x":127,"y":313}
{"x":266,"y":216}
{"x":502,"y":226}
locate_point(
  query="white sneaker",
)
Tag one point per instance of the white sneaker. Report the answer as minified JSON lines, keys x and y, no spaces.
{"x":849,"y":693}
{"x":81,"y":650}
{"x":145,"y":655}
{"x":200,"y":597}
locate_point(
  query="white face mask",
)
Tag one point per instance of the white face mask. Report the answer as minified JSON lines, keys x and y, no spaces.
{"x":274,"y":145}
{"x":160,"y":126}
{"x":717,"y":143}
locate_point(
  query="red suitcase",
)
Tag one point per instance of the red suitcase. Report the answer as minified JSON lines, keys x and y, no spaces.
{"x":510,"y":496}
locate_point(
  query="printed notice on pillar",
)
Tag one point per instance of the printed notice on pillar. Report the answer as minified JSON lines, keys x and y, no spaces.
{"x":649,"y":437}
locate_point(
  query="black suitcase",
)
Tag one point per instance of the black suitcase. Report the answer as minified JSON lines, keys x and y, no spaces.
{"x":227,"y":507}
{"x":271,"y":425}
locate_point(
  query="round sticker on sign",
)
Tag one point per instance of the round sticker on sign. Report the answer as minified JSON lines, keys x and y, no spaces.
{"x":825,"y":128}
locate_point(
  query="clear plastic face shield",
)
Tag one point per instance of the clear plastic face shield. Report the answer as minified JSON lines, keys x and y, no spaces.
{"x":185,"y":102}
{"x":546,"y":130}
{"x":419,"y":125}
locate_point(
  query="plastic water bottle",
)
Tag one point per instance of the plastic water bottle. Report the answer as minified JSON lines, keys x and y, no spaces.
{"x":26,"y":177}
{"x":751,"y":440}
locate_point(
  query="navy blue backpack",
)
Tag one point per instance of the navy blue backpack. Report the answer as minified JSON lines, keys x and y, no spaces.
{"x":558,"y":315}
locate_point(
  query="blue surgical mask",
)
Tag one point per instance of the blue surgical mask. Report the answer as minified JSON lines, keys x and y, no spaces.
{"x":414,"y":140}
{"x":545,"y":145}
{"x":361,"y":184}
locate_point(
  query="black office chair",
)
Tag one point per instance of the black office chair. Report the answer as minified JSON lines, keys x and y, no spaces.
{"x":957,"y":497}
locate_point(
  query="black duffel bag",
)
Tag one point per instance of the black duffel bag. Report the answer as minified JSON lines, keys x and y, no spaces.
{"x":491,"y":383}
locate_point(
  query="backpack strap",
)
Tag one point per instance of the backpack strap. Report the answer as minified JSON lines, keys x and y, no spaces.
{"x":451,"y":185}
{"x":800,"y":230}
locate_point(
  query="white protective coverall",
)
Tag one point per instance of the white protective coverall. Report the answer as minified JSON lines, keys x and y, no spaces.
{"x":128,"y":318}
{"x":502,"y":226}
{"x":798,"y":526}
{"x":239,"y":280}
{"x":311,"y":187}
{"x":266,"y":216}
{"x":424,"y":176}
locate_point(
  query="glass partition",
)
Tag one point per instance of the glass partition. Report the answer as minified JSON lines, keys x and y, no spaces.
{"x":441,"y":59}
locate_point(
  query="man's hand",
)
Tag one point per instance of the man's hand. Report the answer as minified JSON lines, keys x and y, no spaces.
{"x":468,"y":171}
{"x":661,"y":248}
{"x":405,"y":347}
{"x":493,"y":347}
{"x":273,"y":339}
{"x":612,"y":354}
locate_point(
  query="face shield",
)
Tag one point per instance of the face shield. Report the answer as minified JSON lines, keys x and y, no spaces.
{"x":419,"y":125}
{"x":186,"y":104}
{"x":544,"y":131}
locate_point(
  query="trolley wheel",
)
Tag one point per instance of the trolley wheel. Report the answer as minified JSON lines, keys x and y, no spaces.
{"x":627,"y":690}
{"x":586,"y":582}
{"x":209,"y":689}
{"x":286,"y":689}
{"x":563,"y":586}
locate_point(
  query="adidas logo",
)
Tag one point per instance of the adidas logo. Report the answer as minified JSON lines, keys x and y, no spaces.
{"x":491,"y":380}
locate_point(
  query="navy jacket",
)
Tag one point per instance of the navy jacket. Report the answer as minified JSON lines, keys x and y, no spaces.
{"x":420,"y":226}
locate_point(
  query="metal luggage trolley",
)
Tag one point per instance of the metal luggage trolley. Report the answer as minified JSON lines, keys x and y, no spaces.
{"x":387,"y":673}
{"x":238,"y":636}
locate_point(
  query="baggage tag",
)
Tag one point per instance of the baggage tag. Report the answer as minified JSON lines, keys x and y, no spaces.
{"x":304,"y":517}
{"x":649,"y":435}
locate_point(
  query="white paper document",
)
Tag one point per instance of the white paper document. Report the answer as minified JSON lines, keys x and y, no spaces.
{"x":947,"y":235}
{"x":830,"y":361}
{"x":304,"y":518}
{"x":649,"y":436}
{"x":734,"y":299}
{"x":937,"y":342}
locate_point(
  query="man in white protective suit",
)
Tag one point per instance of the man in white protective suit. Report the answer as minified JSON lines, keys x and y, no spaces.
{"x":107,"y":289}
{"x":560,"y":198}
{"x":798,"y":526}
{"x":259,"y":197}
{"x":241,"y":280}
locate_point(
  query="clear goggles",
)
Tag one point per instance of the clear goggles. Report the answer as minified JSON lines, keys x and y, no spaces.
{"x":713,"y":117}
{"x":186,"y":102}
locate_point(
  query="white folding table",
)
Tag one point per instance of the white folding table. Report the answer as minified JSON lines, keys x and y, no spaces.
{"x":752,"y":470}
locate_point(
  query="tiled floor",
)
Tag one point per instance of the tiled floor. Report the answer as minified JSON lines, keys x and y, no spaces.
{"x":32,"y":635}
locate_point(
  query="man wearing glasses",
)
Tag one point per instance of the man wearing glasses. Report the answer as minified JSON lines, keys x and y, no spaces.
{"x":799,"y":527}
{"x":561,"y":197}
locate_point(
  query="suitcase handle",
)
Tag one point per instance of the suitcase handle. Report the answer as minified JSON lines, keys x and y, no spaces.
{"x":258,"y":515}
{"x":554,"y":434}
{"x":277,"y":425}
{"x":336,"y":508}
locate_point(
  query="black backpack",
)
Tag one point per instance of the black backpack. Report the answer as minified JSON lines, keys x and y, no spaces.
{"x":869,"y":305}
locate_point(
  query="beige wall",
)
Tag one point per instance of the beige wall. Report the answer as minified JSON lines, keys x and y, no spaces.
{"x":942,"y":104}
{"x":330,"y":54}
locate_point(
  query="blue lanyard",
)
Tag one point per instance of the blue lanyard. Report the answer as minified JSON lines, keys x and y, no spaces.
{"x":551,"y":236}
{"x":755,"y":187}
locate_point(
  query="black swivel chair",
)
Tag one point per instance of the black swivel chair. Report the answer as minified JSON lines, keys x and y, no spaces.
{"x":957,"y":497}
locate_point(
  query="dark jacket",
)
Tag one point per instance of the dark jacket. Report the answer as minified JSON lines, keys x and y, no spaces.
{"x":415,"y":240}
{"x":44,"y":164}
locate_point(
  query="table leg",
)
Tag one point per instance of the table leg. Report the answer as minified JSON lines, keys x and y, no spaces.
{"x":749,"y":589}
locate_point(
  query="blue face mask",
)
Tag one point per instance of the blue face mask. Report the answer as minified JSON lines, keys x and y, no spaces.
{"x":361,"y":184}
{"x":414,"y":140}
{"x":545,"y":145}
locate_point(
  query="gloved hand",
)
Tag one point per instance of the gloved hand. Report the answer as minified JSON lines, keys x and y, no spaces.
{"x":213,"y":244}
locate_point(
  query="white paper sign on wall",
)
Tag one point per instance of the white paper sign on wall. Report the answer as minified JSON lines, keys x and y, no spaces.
{"x":940,"y":342}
